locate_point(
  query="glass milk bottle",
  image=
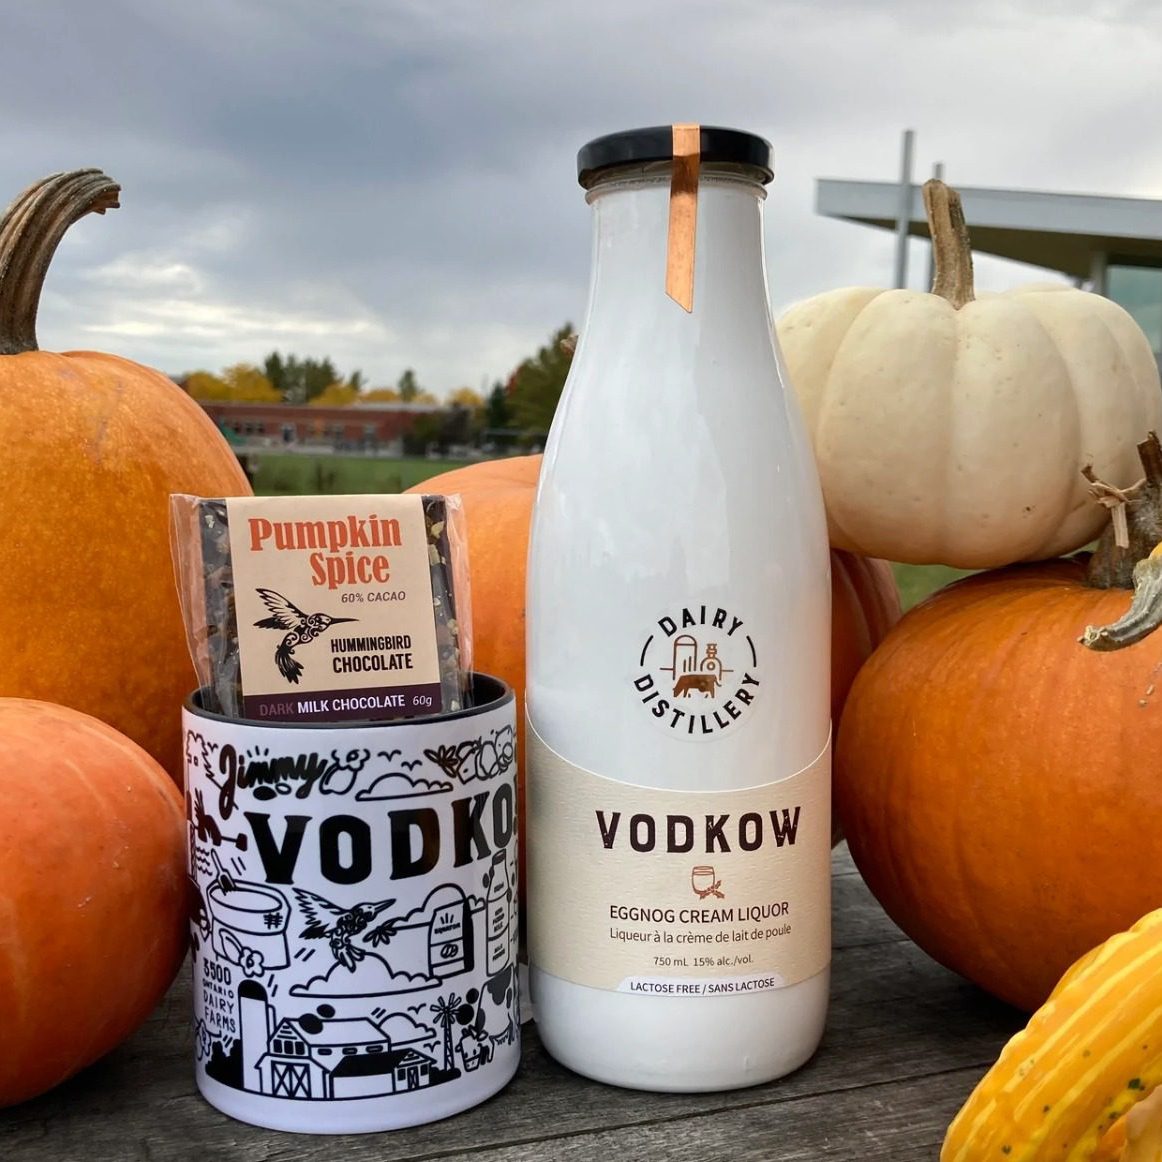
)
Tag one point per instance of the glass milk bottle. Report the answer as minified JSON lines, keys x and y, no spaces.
{"x":678,"y":617}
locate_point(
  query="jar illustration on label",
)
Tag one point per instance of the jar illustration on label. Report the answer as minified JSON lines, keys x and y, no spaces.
{"x":678,"y":647}
{"x":705,"y":882}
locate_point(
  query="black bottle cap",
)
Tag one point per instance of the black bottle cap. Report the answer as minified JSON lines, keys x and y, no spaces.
{"x":656,"y":143}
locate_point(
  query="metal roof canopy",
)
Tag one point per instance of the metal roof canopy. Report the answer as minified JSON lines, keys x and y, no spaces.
{"x":1056,"y":231}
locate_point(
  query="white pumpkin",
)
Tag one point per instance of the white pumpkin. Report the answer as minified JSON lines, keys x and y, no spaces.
{"x":953,"y":430}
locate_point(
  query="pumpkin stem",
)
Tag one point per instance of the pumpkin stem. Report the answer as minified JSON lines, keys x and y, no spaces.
{"x":1129,"y":552}
{"x":1145,"y":612}
{"x":1136,"y":521}
{"x":30,"y":231}
{"x":951,"y":247}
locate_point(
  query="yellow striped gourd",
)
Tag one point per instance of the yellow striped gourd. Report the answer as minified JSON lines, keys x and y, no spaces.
{"x":1136,"y":1136}
{"x":1087,"y":1057}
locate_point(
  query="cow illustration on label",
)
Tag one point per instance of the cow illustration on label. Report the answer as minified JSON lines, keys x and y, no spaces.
{"x":689,"y":673}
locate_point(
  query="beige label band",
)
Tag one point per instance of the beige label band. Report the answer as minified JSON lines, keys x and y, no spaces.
{"x":660,"y":892}
{"x":687,"y":148}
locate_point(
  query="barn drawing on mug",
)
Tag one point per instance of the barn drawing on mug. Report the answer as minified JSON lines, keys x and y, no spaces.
{"x":319,"y":1055}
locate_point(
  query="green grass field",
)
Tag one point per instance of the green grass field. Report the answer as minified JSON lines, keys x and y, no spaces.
{"x":279,"y":474}
{"x":293,"y":474}
{"x":917,"y":581}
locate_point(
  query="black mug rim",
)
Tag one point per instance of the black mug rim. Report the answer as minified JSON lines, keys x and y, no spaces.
{"x":489,"y":693}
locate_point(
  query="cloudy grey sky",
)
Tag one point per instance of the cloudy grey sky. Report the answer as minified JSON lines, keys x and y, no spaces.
{"x":392,"y":182}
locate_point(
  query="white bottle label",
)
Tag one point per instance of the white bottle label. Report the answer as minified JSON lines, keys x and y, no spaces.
{"x":677,"y":893}
{"x":698,"y":671}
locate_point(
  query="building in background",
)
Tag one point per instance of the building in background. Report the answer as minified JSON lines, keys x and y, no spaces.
{"x":364,"y":427}
{"x":1109,"y":245}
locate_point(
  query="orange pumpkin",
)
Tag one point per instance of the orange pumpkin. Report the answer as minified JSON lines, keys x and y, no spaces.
{"x":498,"y":503}
{"x":93,"y":886}
{"x":498,"y":507}
{"x":865,"y":604}
{"x":995,"y":779}
{"x":90,"y":448}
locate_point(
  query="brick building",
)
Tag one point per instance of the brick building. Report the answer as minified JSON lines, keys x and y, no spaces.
{"x":362,"y":426}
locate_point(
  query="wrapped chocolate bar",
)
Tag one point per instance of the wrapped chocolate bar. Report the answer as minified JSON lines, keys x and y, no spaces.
{"x":325,"y":608}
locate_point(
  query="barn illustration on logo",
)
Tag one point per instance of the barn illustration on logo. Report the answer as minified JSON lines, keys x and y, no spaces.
{"x":692,"y":674}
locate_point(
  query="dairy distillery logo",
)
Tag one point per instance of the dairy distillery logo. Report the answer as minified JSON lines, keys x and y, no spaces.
{"x":698,"y":671}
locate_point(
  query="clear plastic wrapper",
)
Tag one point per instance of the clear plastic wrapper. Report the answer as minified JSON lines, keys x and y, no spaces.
{"x":325,"y":608}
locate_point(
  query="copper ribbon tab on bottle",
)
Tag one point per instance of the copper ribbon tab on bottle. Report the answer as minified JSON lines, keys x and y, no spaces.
{"x":683,"y":215}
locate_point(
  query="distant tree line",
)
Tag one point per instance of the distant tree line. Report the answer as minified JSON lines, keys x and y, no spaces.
{"x":289,"y":379}
{"x":515,"y":413}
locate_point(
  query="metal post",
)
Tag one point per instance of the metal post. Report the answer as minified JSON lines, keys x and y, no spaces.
{"x":1099,"y":272}
{"x":937,"y":172}
{"x":904,"y":212}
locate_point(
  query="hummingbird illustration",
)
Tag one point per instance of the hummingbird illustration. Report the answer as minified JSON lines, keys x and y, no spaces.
{"x":337,"y":924}
{"x":302,"y":629}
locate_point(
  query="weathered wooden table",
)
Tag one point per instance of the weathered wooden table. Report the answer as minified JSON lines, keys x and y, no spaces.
{"x":906,"y":1041}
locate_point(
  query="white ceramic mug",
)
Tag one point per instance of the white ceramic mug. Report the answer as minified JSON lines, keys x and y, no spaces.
{"x":354,"y":918}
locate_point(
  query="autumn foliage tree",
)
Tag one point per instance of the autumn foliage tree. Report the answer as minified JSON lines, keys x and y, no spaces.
{"x":245,"y":381}
{"x":336,"y":395}
{"x":204,"y":386}
{"x":241,"y":383}
{"x":465,"y":397}
{"x":536,"y":385}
